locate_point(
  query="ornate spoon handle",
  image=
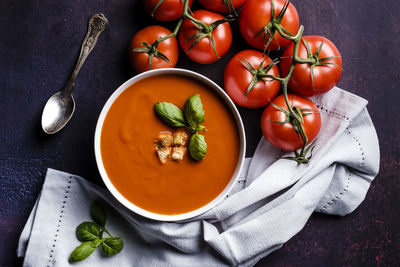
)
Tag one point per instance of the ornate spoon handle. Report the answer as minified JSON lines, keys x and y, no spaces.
{"x":97,"y":24}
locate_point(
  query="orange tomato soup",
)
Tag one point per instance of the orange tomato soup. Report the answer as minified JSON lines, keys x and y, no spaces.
{"x":129,"y":156}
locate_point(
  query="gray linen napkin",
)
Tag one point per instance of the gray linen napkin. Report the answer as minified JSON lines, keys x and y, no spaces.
{"x":270,"y":203}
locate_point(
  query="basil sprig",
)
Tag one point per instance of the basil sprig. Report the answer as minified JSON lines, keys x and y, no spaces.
{"x":191,"y":119}
{"x":91,"y":236}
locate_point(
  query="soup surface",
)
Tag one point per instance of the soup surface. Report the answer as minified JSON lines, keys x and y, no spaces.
{"x":129,"y":156}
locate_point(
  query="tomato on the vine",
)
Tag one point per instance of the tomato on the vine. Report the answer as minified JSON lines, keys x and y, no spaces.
{"x":165,"y":55}
{"x":316,"y":78}
{"x":257,"y":29}
{"x":222,"y":6}
{"x":245,"y":81}
{"x":283,"y":135}
{"x":165,"y":10}
{"x":198,"y":43}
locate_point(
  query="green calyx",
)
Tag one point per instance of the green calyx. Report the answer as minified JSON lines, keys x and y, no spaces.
{"x":205,"y":31}
{"x":259,"y":74}
{"x":315,"y":60}
{"x":152,"y":51}
{"x":274,"y":25}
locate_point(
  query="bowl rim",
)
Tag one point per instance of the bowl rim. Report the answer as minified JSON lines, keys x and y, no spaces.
{"x":131,"y":206}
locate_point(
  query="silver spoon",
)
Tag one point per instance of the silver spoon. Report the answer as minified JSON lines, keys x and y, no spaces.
{"x":60,"y":107}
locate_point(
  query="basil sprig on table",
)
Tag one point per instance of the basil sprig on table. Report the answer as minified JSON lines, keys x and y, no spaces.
{"x":191,"y":119}
{"x":91,"y":236}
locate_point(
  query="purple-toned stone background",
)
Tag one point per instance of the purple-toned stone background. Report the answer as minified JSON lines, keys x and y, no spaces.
{"x":39,"y":44}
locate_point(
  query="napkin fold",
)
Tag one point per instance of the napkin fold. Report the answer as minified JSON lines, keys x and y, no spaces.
{"x":269,"y":204}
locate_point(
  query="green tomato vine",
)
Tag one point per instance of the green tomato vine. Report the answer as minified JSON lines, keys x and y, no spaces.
{"x":294,"y":114}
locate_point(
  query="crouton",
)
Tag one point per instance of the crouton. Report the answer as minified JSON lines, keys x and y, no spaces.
{"x":178,"y":152}
{"x":180,"y":138}
{"x":164,"y":139}
{"x":164,"y":154}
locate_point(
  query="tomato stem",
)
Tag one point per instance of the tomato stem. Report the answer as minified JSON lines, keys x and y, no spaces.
{"x":185,"y":14}
{"x":173,"y":34}
{"x":295,"y":115}
{"x":159,"y":3}
{"x":298,"y":117}
{"x":231,"y":9}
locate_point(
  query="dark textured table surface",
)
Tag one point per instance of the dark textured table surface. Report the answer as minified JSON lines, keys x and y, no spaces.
{"x":39,"y":44}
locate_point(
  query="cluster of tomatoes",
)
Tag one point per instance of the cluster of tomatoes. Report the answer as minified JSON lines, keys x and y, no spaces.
{"x":310,"y":65}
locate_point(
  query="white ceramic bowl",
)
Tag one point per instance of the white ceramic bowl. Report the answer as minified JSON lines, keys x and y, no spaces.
{"x":132,"y":206}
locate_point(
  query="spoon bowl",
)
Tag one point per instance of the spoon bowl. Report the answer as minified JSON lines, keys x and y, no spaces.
{"x":57,"y":112}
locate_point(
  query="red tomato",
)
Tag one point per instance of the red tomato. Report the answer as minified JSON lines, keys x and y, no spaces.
{"x":168,"y":10}
{"x":237,"y":79}
{"x":258,"y":13}
{"x":284,"y":136}
{"x":169,"y":47}
{"x":220,"y":6}
{"x":203,"y":51}
{"x":326,"y":72}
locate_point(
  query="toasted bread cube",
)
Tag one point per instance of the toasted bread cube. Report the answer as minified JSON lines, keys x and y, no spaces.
{"x":164,"y":139}
{"x":178,"y":152}
{"x":164,"y":154}
{"x":180,"y":138}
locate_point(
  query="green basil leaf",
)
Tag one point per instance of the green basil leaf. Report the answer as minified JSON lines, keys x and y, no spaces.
{"x":88,"y":231}
{"x":82,"y":251}
{"x":197,"y":147}
{"x":112,"y":246}
{"x":194,"y":112}
{"x":170,"y":114}
{"x":98,"y":213}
